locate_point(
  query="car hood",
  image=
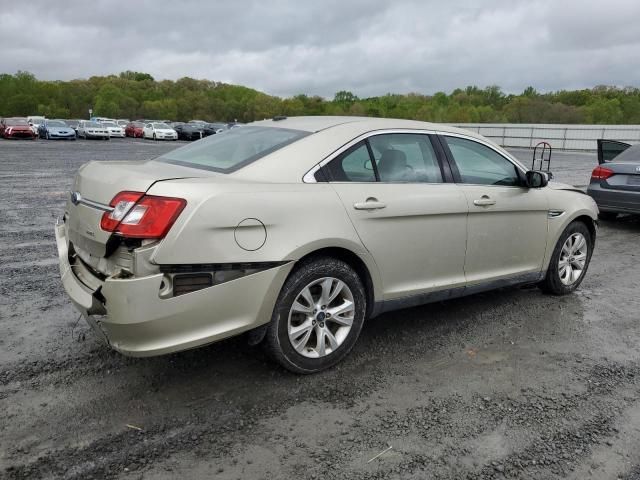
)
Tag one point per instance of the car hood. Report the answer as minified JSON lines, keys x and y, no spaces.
{"x":19,"y":127}
{"x":164,"y":130}
{"x":61,"y":129}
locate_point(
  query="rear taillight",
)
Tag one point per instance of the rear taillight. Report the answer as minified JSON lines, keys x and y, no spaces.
{"x":601,"y":173}
{"x":136,"y":215}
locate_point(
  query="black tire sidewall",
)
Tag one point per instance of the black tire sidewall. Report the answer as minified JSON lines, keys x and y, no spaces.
{"x":552,"y":282}
{"x":277,"y":335}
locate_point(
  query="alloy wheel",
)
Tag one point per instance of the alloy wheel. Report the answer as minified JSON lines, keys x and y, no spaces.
{"x":573,"y":258}
{"x":321,"y":317}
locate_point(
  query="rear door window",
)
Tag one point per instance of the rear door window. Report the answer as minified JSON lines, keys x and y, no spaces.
{"x":405,"y":157}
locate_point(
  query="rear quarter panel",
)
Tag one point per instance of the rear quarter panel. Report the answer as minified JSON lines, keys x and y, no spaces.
{"x":298,"y":219}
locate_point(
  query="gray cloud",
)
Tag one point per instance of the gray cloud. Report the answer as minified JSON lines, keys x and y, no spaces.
{"x":369,"y":47}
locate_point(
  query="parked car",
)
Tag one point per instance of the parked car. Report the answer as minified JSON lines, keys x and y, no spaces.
{"x":56,"y":130}
{"x":35,"y":121}
{"x":114,"y":129}
{"x":615,"y":182}
{"x":188,"y":131}
{"x":213,"y":128}
{"x":134,"y":129}
{"x":16,"y":128}
{"x":88,"y":129}
{"x":121,"y":122}
{"x":159,"y":131}
{"x":299,"y":229}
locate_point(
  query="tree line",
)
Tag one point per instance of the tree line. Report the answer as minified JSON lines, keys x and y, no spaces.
{"x":138,"y":95}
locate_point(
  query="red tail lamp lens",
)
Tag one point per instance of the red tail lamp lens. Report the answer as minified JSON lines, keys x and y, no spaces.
{"x":136,"y":215}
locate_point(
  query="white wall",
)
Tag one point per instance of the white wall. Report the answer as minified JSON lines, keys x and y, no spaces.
{"x":562,"y":137}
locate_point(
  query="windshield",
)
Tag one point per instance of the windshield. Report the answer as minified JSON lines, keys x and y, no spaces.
{"x":631,"y":154}
{"x":233,"y":150}
{"x":92,"y":125}
{"x":16,"y":122}
{"x":109,"y":124}
{"x":161,"y":126}
{"x":56,"y":123}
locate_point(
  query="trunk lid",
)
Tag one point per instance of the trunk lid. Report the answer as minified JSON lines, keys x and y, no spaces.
{"x":95,"y":185}
{"x":626,"y":176}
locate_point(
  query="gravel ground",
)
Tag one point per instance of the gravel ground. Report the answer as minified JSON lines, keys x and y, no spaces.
{"x":508,"y":384}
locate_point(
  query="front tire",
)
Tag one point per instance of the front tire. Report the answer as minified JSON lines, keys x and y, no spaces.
{"x":570,"y":260}
{"x":318,"y":316}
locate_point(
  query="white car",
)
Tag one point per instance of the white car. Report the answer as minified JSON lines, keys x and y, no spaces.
{"x":89,"y":129}
{"x":35,"y":122}
{"x":122,"y":122}
{"x":114,"y":129}
{"x":159,"y":131}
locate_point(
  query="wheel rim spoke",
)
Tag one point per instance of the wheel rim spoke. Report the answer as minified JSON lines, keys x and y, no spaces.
{"x":299,"y":336}
{"x":306,"y":294}
{"x":333,"y":343}
{"x":298,"y":307}
{"x":320,"y":342}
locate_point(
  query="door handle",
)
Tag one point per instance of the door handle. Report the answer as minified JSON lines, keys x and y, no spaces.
{"x":484,"y":201}
{"x":370,"y":204}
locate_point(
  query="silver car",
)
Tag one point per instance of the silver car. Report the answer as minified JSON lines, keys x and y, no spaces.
{"x":298,"y":229}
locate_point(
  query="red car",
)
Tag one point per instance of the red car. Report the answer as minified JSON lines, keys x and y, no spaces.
{"x":134,"y":129}
{"x":16,"y":128}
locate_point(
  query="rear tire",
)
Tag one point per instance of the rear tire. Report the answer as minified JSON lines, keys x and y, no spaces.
{"x":607,"y":216}
{"x":569,"y":261}
{"x":318,"y":316}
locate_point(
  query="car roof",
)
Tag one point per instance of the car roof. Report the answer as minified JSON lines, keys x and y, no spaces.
{"x":314,"y":124}
{"x":326,"y":135}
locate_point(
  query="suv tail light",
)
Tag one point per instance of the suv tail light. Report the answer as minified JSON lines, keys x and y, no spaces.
{"x":136,"y":215}
{"x":601,"y":173}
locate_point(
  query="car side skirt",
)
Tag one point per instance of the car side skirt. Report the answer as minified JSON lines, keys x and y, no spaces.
{"x":451,"y":293}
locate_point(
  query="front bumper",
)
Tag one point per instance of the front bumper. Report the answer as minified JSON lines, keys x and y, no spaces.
{"x":135,"y":321}
{"x":62,"y":136}
{"x":20,"y":134}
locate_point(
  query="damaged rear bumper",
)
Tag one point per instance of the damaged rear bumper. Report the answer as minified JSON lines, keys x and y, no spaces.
{"x":130,"y":314}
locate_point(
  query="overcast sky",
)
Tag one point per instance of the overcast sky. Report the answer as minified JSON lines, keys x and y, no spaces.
{"x":369,"y":47}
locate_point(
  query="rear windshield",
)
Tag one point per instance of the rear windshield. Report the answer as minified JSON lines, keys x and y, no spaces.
{"x":631,"y":154}
{"x":229,"y":151}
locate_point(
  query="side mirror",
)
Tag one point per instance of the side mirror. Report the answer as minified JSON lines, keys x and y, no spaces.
{"x":537,"y":179}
